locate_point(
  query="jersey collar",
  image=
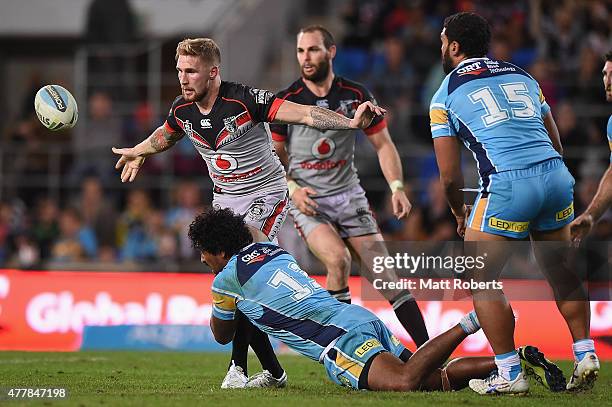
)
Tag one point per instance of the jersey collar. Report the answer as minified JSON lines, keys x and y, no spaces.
{"x":470,"y":60}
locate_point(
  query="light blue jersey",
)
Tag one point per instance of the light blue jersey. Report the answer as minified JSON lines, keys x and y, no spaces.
{"x":265,"y":283}
{"x":609,"y":131}
{"x":496,"y":109}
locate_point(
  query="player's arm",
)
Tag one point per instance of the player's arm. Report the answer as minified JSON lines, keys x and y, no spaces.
{"x":582,"y":225}
{"x":132,"y":158}
{"x":553,"y":132}
{"x":391,"y":167}
{"x":300,"y":196}
{"x":448,"y":155}
{"x":325,"y":119}
{"x":223,"y":330}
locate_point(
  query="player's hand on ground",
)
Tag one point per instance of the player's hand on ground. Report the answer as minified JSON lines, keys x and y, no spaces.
{"x":301,"y":199}
{"x":130,"y":161}
{"x":401,"y":204}
{"x":365,"y":114}
{"x":461,"y":217}
{"x":580,"y":227}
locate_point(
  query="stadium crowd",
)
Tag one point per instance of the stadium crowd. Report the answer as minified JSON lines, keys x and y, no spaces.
{"x":390,"y":46}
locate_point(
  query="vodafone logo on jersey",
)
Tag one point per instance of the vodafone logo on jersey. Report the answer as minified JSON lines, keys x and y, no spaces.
{"x":224,"y":163}
{"x":323,"y":148}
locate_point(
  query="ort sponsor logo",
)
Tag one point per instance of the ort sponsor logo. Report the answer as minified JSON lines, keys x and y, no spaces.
{"x":471,"y":69}
{"x":58,"y":312}
{"x":224,"y":163}
{"x":323,"y":148}
{"x":205,"y":124}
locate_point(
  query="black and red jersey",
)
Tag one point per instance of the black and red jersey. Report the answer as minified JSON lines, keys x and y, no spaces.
{"x":232,"y":138}
{"x":324,"y":160}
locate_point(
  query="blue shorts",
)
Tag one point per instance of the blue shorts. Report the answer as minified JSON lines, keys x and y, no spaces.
{"x":539,"y":198}
{"x":347,"y":362}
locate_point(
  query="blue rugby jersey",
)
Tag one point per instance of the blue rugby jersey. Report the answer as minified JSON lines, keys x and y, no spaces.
{"x":496,"y":109}
{"x":265,"y":283}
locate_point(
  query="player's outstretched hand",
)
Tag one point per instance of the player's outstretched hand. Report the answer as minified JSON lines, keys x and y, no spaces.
{"x":401,"y":204}
{"x":130,"y":161}
{"x":301,"y":199}
{"x":580,"y":227}
{"x":365,"y":114}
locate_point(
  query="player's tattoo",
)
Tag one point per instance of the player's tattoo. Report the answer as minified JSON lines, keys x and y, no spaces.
{"x":325,"y":119}
{"x":162,"y":139}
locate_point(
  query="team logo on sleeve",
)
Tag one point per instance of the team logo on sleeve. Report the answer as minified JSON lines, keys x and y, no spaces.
{"x":261,"y":96}
{"x":188,"y":128}
{"x":348,"y":107}
{"x":323,"y":148}
{"x":224,"y":163}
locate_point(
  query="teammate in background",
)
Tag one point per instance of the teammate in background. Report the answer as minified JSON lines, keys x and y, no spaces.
{"x":265,"y":283}
{"x":224,"y":120}
{"x":330,"y":209}
{"x":498,"y":111}
{"x":582,"y":225}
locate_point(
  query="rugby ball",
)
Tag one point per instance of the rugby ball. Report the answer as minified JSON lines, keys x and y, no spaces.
{"x":56,"y":108}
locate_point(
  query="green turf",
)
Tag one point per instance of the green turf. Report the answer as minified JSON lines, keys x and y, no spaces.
{"x":181,"y":379}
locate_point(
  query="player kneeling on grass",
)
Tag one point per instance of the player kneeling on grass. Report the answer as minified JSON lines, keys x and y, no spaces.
{"x":265,"y":283}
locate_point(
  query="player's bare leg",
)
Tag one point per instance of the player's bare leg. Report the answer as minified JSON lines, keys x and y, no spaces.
{"x":388,"y":372}
{"x":496,"y":317}
{"x":572,"y":302}
{"x":458,"y":372}
{"x":493,"y":310}
{"x":404,"y":304}
{"x":329,"y":248}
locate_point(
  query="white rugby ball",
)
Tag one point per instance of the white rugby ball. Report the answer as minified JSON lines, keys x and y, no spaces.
{"x":56,"y":108}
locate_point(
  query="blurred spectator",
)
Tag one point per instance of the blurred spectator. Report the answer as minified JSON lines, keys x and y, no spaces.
{"x":138,"y":208}
{"x":438,"y":222}
{"x":45,"y":228}
{"x":98,"y":214}
{"x":188,"y":203}
{"x":150,"y":241}
{"x":92,"y":146}
{"x":76,"y":241}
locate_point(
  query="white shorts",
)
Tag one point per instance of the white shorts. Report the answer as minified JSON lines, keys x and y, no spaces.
{"x":265,"y":212}
{"x":348,"y":212}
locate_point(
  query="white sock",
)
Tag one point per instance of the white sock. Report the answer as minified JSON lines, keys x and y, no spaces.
{"x":581,"y":347}
{"x":508,"y":365}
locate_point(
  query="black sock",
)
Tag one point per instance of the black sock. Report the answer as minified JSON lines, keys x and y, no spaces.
{"x":342,"y":295}
{"x":260,"y":343}
{"x":240,"y":343}
{"x":407,"y":311}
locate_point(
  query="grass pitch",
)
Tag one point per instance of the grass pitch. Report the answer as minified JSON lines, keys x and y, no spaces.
{"x":190,"y":379}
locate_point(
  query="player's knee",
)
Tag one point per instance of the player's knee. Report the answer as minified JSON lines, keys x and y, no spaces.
{"x":339,"y":265}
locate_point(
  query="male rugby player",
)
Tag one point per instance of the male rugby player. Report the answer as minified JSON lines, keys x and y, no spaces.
{"x":224,"y":121}
{"x":330,"y":208}
{"x":265,"y":283}
{"x":498,"y":111}
{"x":582,"y":225}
